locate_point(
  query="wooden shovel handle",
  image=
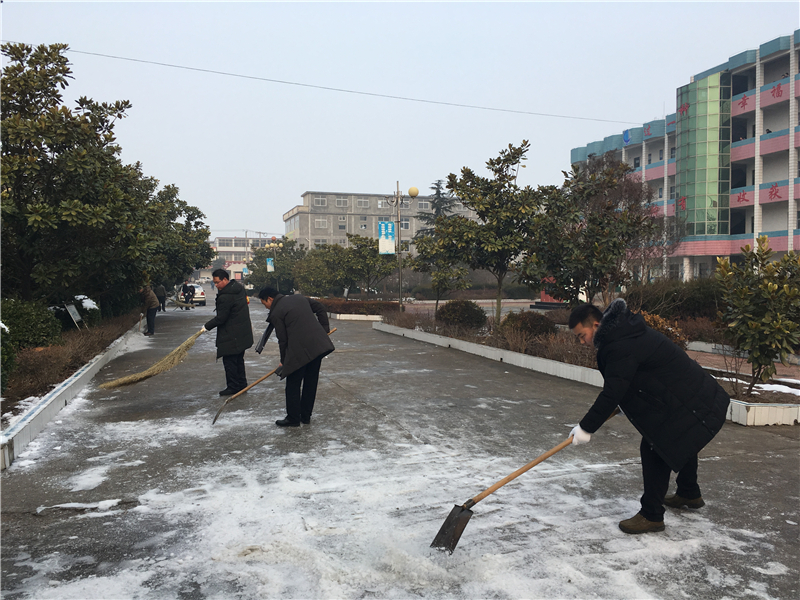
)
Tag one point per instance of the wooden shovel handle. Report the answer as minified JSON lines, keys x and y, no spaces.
{"x":522,"y":470}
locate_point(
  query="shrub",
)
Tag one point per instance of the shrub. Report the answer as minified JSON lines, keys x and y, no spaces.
{"x":462,"y":313}
{"x":663,"y":326}
{"x":30,"y":324}
{"x":701,"y":329}
{"x":87,"y":309}
{"x":674,"y":299}
{"x":559,"y":316}
{"x":8,"y":355}
{"x":529,"y":322}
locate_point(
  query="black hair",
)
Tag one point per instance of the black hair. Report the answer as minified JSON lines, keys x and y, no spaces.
{"x":267,"y":292}
{"x":585,"y":314}
{"x":221,"y":274}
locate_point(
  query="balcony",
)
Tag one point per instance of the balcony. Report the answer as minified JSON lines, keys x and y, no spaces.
{"x":775,"y":141}
{"x":773,"y":191}
{"x":742,"y":196}
{"x":774,"y":93}
{"x":743,"y":149}
{"x":743,"y":103}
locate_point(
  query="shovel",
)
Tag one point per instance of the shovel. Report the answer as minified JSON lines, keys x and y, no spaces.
{"x":457,"y":520}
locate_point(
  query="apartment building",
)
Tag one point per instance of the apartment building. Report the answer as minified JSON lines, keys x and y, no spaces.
{"x":236,"y":252}
{"x":326,"y":217}
{"x":727,"y":159}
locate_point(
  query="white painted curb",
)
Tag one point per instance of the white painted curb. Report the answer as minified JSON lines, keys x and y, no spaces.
{"x":344,"y":317}
{"x":20,"y":434}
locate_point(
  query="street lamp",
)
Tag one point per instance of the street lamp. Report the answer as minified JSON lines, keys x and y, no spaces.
{"x":397,"y":200}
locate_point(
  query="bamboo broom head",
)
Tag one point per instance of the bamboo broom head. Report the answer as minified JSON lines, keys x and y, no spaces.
{"x":165,"y":364}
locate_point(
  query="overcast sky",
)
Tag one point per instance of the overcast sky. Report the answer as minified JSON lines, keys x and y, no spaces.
{"x":243,"y":149}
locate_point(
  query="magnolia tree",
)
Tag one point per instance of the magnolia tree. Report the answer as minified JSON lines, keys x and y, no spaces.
{"x":762,"y":307}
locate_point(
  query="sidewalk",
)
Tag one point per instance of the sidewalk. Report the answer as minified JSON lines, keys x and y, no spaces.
{"x":717,"y":361}
{"x":134,"y":494}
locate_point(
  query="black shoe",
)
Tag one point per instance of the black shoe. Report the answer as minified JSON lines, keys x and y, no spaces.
{"x":305,"y":420}
{"x":227,"y":392}
{"x":675,"y":501}
{"x":287,"y":423}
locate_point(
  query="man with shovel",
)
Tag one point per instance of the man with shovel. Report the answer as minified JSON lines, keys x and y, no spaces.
{"x":676,"y":406}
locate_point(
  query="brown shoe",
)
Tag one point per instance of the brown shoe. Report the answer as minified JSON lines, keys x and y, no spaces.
{"x":675,"y":501}
{"x":639,"y":524}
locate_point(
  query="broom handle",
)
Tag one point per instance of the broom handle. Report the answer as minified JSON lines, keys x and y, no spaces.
{"x":521,"y":470}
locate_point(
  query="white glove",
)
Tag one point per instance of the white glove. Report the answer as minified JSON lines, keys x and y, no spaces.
{"x":203,"y":329}
{"x":579,"y":436}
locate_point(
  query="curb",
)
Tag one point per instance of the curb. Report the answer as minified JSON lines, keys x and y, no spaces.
{"x":344,"y":317}
{"x":14,"y":439}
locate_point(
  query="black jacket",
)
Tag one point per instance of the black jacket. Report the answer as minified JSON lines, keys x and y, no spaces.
{"x":676,"y":406}
{"x":301,"y":325}
{"x":235,"y":332}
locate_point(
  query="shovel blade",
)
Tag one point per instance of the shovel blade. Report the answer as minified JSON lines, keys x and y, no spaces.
{"x":452,"y":528}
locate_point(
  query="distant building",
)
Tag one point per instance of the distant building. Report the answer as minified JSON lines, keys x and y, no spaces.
{"x":236,"y":252}
{"x":727,"y":159}
{"x":326,"y":217}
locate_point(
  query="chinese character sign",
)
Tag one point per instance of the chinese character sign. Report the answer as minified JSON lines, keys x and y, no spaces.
{"x":742,"y":197}
{"x":777,"y":90}
{"x":386,"y":237}
{"x":743,"y":102}
{"x":773,"y":192}
{"x":270,"y":265}
{"x":683,"y":108}
{"x":682,"y":202}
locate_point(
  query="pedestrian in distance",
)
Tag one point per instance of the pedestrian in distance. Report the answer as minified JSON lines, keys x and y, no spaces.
{"x":676,"y":406}
{"x":234,"y":330}
{"x":161,"y":293}
{"x":150,"y":306}
{"x":188,"y":294}
{"x":301,"y":325}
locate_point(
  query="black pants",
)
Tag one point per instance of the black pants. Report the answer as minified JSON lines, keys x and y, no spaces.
{"x":162,"y":303}
{"x":235,"y":377}
{"x":656,"y":482}
{"x":300,"y":404}
{"x":151,"y":320}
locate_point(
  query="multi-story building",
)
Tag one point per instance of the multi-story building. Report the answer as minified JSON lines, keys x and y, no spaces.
{"x":727,"y":159}
{"x":236,"y":252}
{"x":326,"y":217}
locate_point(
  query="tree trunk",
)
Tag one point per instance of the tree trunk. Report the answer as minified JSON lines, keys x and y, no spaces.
{"x":499,"y":303}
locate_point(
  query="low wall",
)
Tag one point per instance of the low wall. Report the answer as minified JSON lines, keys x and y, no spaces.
{"x":344,"y":317}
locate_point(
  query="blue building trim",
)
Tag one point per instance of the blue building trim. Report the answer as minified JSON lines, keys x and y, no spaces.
{"x":743,"y":58}
{"x":655,"y":165}
{"x":748,"y":93}
{"x":769,"y":184}
{"x":744,"y":142}
{"x":711,"y":71}
{"x":739,"y":190}
{"x":774,"y":134}
{"x":769,"y":86}
{"x":776,"y":45}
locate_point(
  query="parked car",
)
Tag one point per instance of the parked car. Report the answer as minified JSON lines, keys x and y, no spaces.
{"x":199,"y":295}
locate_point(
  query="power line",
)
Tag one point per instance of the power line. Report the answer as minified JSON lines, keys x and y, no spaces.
{"x":346,"y":91}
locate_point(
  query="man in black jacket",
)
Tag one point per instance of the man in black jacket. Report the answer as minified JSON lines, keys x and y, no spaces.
{"x":301,"y":325}
{"x":676,"y":406}
{"x":234,"y":330}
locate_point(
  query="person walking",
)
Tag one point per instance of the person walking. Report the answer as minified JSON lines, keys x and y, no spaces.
{"x":676,"y":406}
{"x":150,"y":306}
{"x":234,"y":330}
{"x":188,"y":294}
{"x":301,"y":325}
{"x":161,"y":293}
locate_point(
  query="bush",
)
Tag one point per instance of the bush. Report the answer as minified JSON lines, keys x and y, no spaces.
{"x":8,"y":355}
{"x":87,"y":309}
{"x":462,"y":313}
{"x":701,"y":330}
{"x":30,"y":324}
{"x":674,"y":299}
{"x":529,"y":322}
{"x":359,"y":307}
{"x":559,"y":316}
{"x":663,"y":326}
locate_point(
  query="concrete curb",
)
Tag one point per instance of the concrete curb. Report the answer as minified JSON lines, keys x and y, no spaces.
{"x":344,"y":317}
{"x":743,"y":413}
{"x":20,"y":434}
{"x":534,"y":363}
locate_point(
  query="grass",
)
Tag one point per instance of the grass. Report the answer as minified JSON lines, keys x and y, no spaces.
{"x":39,"y":369}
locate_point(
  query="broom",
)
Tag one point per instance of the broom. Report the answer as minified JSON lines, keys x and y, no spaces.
{"x":165,"y":364}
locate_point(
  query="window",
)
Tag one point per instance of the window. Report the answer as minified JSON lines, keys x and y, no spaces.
{"x":342,"y":218}
{"x":363,"y":226}
{"x":341,"y":201}
{"x":672,"y":192}
{"x":342,"y":242}
{"x":661,"y":192}
{"x":320,"y":242}
{"x":320,"y":223}
{"x":342,"y":226}
{"x":649,"y":158}
{"x":672,"y":152}
{"x":380,"y":203}
{"x":405,"y":203}
{"x":637,"y":162}
{"x":405,"y":223}
{"x":661,"y":154}
{"x":225,"y":243}
{"x":362,"y":218}
{"x":320,"y":201}
{"x":423,"y":205}
{"x":362,"y":202}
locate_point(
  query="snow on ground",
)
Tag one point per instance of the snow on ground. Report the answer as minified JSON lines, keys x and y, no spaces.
{"x":346,"y":522}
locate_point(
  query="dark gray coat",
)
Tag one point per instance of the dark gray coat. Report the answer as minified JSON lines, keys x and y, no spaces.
{"x":234,"y":330}
{"x":676,"y":406}
{"x":301,"y":325}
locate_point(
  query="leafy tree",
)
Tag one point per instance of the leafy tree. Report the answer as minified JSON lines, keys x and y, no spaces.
{"x":218,"y":263}
{"x":504,"y":217}
{"x":446,"y":275}
{"x":312,"y":273}
{"x":75,"y":219}
{"x":442,"y":203}
{"x":285,"y":260}
{"x":585,"y":230}
{"x":362,"y":265}
{"x":762,"y":306}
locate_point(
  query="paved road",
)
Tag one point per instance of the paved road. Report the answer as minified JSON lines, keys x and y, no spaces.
{"x":133,"y":493}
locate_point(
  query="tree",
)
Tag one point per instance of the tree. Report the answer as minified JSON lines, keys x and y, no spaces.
{"x":312,"y":274}
{"x":442,"y":203}
{"x":446,"y":275}
{"x":361,"y":264}
{"x":586,"y":230}
{"x":762,"y":307}
{"x":285,"y":260}
{"x":496,"y":240}
{"x":75,"y":219}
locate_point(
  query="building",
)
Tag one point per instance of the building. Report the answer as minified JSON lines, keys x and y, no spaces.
{"x":326,"y":217}
{"x":727,"y":159}
{"x":236,"y":252}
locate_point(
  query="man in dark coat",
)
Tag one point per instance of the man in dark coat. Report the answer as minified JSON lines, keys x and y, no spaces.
{"x":150,"y":305}
{"x":234,"y":330}
{"x":676,"y":406}
{"x":302,"y":327}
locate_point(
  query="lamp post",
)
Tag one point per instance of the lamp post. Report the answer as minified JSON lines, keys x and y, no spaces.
{"x":397,"y":200}
{"x":274,"y":245}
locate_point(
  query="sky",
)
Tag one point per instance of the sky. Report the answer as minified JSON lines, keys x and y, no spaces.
{"x":245,"y":142}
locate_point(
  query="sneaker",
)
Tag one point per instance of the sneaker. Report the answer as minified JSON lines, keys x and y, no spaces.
{"x":675,"y":501}
{"x":639,"y":524}
{"x":287,"y":423}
